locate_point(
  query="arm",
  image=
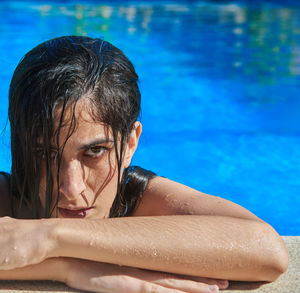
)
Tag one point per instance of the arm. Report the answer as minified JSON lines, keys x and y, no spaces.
{"x":232,"y":246}
{"x":166,"y":197}
{"x":102,"y":277}
{"x":50,"y":269}
{"x":218,"y":239}
{"x":207,"y":246}
{"x":216,"y":246}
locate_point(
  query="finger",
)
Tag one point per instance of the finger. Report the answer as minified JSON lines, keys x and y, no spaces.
{"x":221,"y":283}
{"x":172,"y":281}
{"x":118,"y":281}
{"x":125,"y":284}
{"x":188,"y":286}
{"x":149,"y":287}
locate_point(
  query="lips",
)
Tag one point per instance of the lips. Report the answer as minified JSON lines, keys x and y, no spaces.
{"x":80,"y":213}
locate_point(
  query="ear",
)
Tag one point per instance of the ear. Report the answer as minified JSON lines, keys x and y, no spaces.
{"x":132,"y":143}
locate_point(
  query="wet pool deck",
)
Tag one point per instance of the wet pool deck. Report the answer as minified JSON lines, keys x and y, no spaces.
{"x":287,"y":283}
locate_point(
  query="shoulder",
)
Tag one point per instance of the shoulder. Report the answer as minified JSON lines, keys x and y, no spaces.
{"x":166,"y":197}
{"x":5,"y":209}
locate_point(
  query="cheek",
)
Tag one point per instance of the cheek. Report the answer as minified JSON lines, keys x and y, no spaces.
{"x":101,"y":183}
{"x":103,"y":175}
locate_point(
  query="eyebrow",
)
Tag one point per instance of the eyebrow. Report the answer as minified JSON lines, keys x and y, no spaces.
{"x":85,"y":146}
{"x":95,"y":143}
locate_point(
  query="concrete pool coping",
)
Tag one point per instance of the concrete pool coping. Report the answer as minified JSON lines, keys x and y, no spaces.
{"x":287,"y":283}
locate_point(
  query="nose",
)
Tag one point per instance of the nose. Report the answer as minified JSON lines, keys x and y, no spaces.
{"x":71,"y":179}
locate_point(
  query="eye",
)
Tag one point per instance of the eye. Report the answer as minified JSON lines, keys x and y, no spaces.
{"x":95,"y":151}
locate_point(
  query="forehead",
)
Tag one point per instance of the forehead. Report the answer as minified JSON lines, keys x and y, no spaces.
{"x":80,"y":109}
{"x":80,"y":120}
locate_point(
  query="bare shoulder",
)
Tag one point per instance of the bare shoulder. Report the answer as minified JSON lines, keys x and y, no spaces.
{"x":4,"y":197}
{"x":166,"y":197}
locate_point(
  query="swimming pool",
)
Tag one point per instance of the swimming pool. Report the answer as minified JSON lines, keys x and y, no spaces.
{"x":219,"y":82}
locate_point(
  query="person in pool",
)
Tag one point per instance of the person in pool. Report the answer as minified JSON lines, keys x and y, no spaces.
{"x":75,"y":211}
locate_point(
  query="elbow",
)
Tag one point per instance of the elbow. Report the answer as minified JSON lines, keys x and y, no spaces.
{"x":275,"y":258}
{"x":279,"y":265}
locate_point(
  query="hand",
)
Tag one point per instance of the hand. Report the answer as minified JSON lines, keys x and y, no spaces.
{"x":24,"y":242}
{"x":102,"y":277}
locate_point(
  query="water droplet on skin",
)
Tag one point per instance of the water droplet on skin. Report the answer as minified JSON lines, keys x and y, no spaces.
{"x":6,"y":260}
{"x":91,"y":243}
{"x":15,"y":247}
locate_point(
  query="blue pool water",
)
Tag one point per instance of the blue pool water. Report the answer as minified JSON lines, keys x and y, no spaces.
{"x":219,"y":82}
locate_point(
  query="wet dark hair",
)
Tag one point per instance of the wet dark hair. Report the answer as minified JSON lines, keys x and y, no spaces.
{"x":56,"y":73}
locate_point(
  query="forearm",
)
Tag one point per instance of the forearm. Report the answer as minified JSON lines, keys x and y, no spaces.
{"x":92,"y":276}
{"x":208,"y":246}
{"x":49,"y":269}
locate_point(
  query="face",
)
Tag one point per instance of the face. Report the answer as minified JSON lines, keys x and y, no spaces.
{"x":88,"y":173}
